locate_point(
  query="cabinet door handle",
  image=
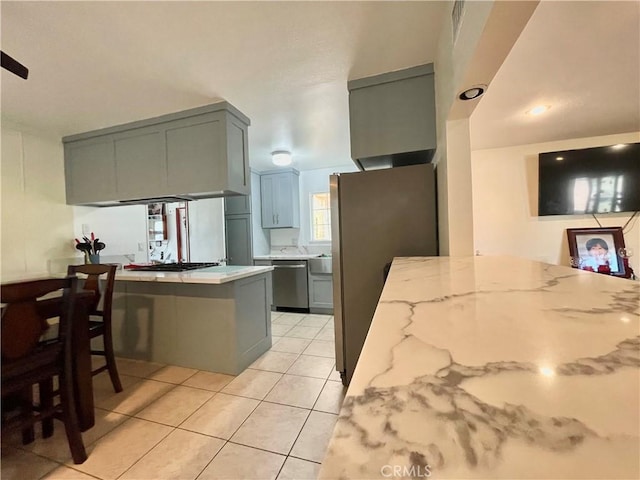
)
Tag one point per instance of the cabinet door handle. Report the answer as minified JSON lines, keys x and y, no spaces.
{"x":273,"y":219}
{"x":277,"y":218}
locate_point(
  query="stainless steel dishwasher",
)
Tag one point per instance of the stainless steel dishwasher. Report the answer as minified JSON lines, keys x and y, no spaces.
{"x":290,"y":289}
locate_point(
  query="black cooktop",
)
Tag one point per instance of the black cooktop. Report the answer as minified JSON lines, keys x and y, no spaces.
{"x":173,"y":267}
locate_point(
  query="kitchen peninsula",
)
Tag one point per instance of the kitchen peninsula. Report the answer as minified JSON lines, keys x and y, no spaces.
{"x":494,"y":367}
{"x":216,"y":319}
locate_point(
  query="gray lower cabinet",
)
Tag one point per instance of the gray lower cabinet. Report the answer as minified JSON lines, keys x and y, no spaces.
{"x":265,"y":263}
{"x":321,"y":293}
{"x":199,"y":153}
{"x":280,"y":199}
{"x":215,"y":327}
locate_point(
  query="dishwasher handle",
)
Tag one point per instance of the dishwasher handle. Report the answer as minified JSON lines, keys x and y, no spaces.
{"x":298,"y":265}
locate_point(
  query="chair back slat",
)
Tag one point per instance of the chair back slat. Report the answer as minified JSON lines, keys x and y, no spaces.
{"x":92,"y":282}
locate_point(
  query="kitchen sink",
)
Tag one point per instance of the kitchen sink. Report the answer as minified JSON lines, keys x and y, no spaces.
{"x":320,"y":265}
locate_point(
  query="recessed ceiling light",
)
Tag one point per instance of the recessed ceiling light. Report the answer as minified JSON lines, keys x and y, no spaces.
{"x":281,"y":158}
{"x":472,"y":92}
{"x":619,"y":146}
{"x":547,"y":371}
{"x":538,"y":110}
{"x":559,"y":158}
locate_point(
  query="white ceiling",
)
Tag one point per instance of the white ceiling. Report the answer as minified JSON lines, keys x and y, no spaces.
{"x":283,"y":64}
{"x":580,"y":58}
{"x":286,"y":66}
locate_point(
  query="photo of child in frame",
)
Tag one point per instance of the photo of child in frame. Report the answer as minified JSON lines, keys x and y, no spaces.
{"x":597,"y":252}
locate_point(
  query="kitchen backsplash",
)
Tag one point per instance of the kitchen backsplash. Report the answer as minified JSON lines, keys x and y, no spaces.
{"x":284,"y":237}
{"x":288,"y":241}
{"x":302,"y":250}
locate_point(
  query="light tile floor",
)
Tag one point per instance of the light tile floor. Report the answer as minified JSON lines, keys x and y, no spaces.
{"x":274,"y":420}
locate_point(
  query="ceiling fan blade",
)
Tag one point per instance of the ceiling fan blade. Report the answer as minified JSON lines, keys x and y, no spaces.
{"x":13,"y":66}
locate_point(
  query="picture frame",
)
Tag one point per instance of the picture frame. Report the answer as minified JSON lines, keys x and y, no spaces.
{"x":597,"y":250}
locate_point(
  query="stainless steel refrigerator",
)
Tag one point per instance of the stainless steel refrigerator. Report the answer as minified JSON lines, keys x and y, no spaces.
{"x":375,"y":216}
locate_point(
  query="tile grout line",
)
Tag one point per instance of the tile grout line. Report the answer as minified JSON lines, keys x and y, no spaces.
{"x":178,"y":427}
{"x":227,"y":441}
{"x":133,"y":415}
{"x":260,"y":403}
{"x":147,"y":452}
{"x":215,"y":392}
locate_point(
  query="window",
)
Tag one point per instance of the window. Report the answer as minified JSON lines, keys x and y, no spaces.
{"x":320,"y":217}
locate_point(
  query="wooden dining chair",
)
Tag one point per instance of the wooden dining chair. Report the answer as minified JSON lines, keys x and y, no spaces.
{"x":102,"y":290}
{"x":27,"y":361}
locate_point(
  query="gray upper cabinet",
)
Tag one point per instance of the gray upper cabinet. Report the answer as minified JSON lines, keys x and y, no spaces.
{"x":393,"y":118}
{"x":280,"y":199}
{"x":140,"y":162}
{"x":90,"y":170}
{"x":238,"y":205}
{"x":197,"y":153}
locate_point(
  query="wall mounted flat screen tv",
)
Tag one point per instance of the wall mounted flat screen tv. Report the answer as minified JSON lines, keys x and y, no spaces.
{"x":590,"y":180}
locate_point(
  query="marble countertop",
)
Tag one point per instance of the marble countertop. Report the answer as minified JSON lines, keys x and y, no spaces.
{"x":212,"y":275}
{"x":285,"y":256}
{"x":494,"y":367}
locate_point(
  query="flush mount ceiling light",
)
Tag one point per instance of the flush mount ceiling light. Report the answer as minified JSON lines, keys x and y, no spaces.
{"x":559,"y":158}
{"x":472,"y":92}
{"x":538,"y":110}
{"x":281,"y":158}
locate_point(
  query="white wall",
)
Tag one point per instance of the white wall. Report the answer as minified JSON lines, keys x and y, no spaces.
{"x":206,"y":230}
{"x":122,"y":229}
{"x":36,"y":223}
{"x":505,"y":196}
{"x":459,"y":197}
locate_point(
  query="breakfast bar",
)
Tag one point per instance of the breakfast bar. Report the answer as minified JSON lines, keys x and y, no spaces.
{"x":215,"y":319}
{"x":494,"y":367}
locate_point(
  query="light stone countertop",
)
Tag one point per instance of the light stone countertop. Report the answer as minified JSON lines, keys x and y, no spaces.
{"x":494,"y":368}
{"x":211,"y":275}
{"x":285,"y":256}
